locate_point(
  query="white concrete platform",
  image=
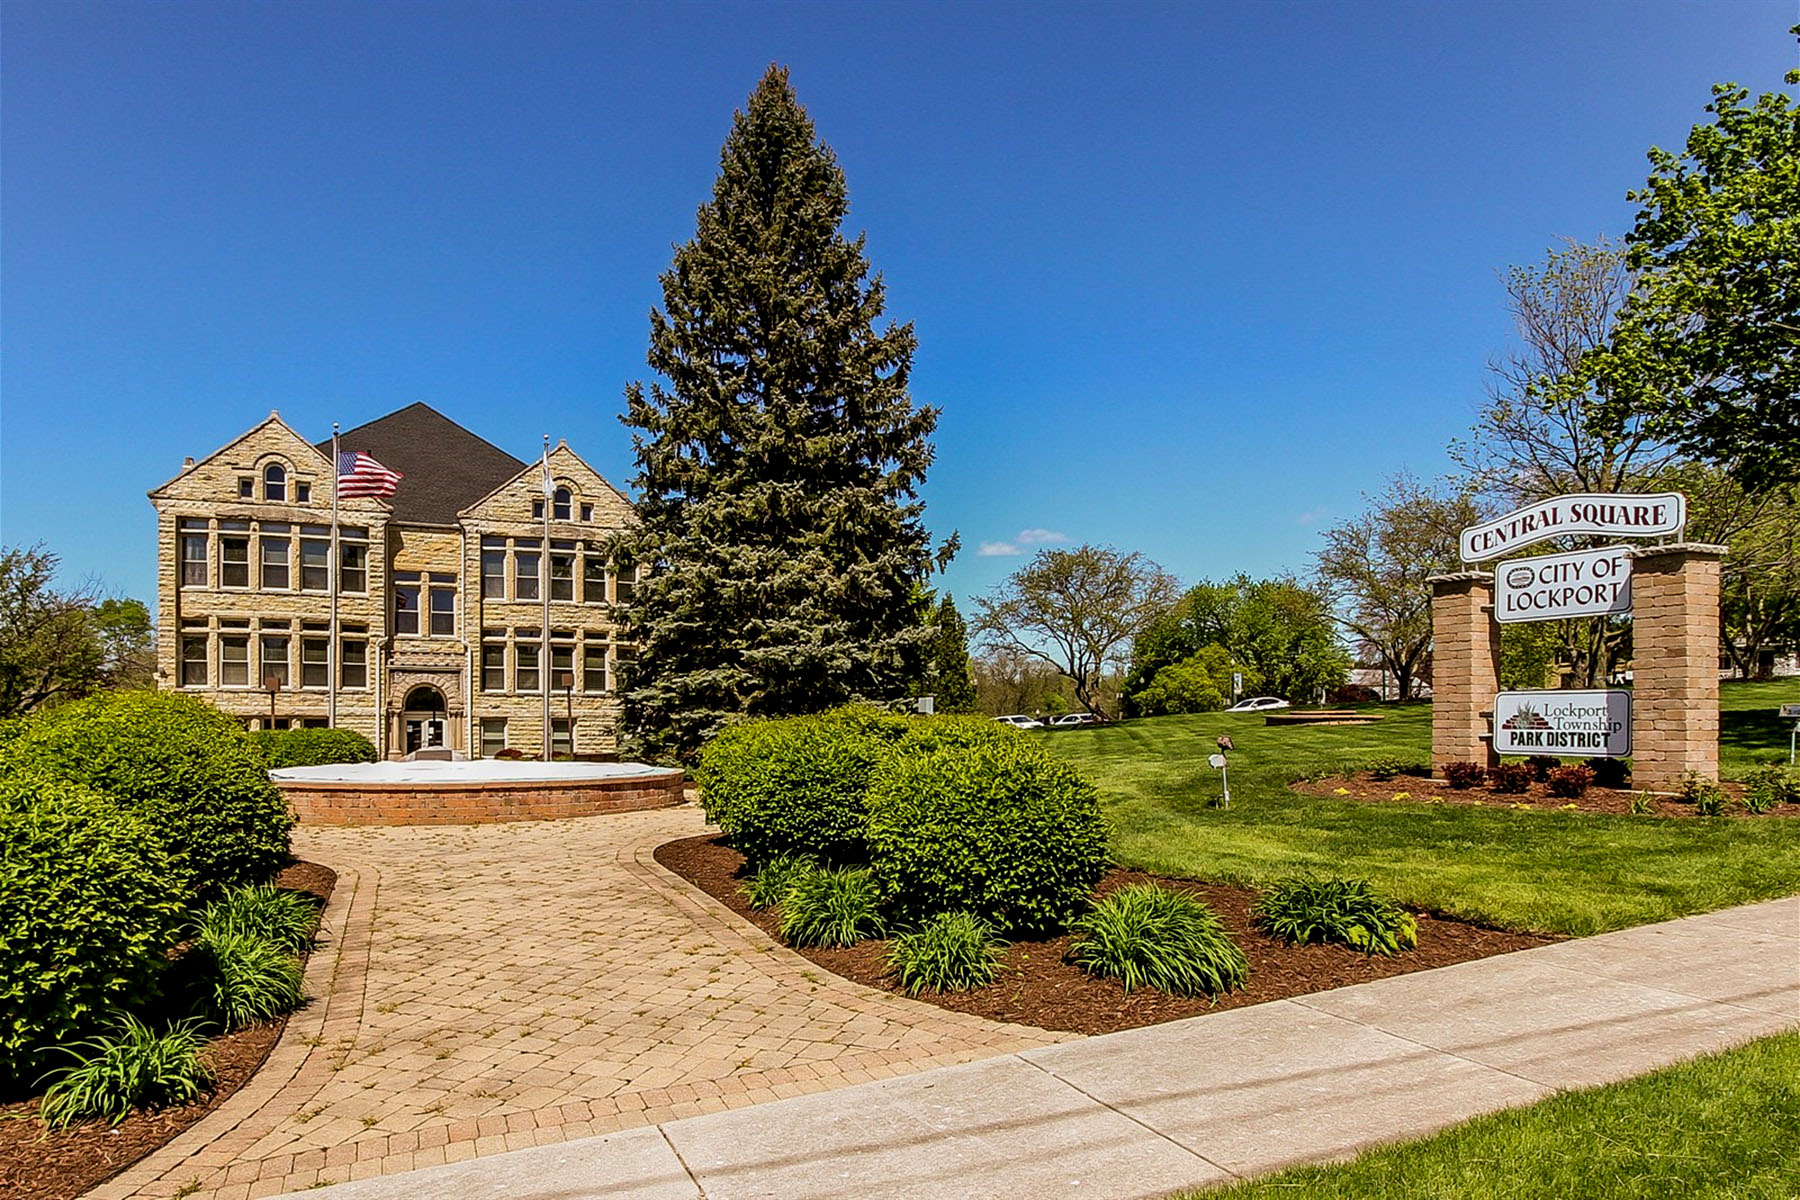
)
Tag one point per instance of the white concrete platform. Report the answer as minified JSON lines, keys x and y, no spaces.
{"x":480,"y":770}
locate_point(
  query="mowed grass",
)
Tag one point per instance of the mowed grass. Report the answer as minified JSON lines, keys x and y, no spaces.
{"x":1723,"y":1126}
{"x":1552,"y":872}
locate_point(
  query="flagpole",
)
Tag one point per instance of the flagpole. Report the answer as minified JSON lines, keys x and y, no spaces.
{"x":331,"y":665}
{"x":544,"y":655}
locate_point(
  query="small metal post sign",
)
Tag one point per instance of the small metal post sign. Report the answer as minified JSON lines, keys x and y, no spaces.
{"x":1568,"y":724}
{"x":1218,"y":763}
{"x":1550,"y":587}
{"x":1791,"y":712}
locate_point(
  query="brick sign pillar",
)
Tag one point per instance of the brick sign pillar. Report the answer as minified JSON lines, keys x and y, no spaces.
{"x":1465,"y":667}
{"x":1675,"y":664}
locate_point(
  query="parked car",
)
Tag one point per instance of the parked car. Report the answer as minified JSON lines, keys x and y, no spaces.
{"x":1259,"y":704}
{"x":1071,"y":720}
{"x":1020,"y":721}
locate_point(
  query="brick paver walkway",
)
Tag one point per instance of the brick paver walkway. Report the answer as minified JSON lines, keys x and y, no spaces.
{"x":488,"y":988}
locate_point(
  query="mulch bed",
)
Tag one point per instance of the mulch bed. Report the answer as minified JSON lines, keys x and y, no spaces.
{"x":47,"y":1165}
{"x":1415,"y":789}
{"x":1036,"y":987}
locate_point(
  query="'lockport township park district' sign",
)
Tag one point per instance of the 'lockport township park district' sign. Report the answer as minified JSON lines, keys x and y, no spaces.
{"x":1567,"y":724}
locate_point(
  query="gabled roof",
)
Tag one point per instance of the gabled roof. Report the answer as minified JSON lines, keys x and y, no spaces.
{"x":446,"y":467}
{"x":274,"y":418}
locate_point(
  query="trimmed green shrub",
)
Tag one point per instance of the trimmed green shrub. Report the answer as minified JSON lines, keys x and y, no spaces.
{"x":1570,"y":782}
{"x":951,"y":952}
{"x":262,"y":910}
{"x":1464,"y":775}
{"x":1541,"y":765}
{"x":241,"y":979}
{"x":1767,"y":786}
{"x":136,"y":1067}
{"x":797,"y":786}
{"x":188,"y":769}
{"x":1610,"y":772}
{"x":1386,"y":768}
{"x":769,"y":886}
{"x":974,"y":817}
{"x":1707,"y":797}
{"x":313,"y":747}
{"x":1510,"y":778}
{"x":1304,"y":909}
{"x":1146,"y":935}
{"x":831,"y":908}
{"x":90,"y":908}
{"x":1641,"y":805}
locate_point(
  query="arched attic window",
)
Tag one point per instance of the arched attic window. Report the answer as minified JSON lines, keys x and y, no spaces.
{"x":560,"y":509}
{"x":275,"y":482}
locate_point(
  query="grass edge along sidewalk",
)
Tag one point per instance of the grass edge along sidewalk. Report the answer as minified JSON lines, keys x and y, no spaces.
{"x":1547,"y":872}
{"x":1723,"y":1124}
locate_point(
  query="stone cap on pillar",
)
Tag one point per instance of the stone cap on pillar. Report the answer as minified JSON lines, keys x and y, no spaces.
{"x":1691,"y":549}
{"x":1459,"y":580}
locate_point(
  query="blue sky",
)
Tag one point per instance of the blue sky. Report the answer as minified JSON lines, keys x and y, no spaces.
{"x":1186,"y":278}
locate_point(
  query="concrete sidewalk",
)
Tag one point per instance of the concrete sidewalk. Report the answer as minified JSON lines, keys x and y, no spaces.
{"x":1205,"y":1100}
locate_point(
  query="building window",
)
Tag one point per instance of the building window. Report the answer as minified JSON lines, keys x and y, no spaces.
{"x":353,"y":574}
{"x":234,"y":562}
{"x":303,"y":493}
{"x":193,"y":560}
{"x":593,"y":667}
{"x":315,"y":565}
{"x":275,"y":483}
{"x":193,"y":661}
{"x":315,"y":662}
{"x":559,"y":506}
{"x":493,"y":666}
{"x":406,"y":609}
{"x":353,"y":664}
{"x":275,"y":661}
{"x":443,"y":612}
{"x":275,"y":563}
{"x":593,"y":578}
{"x":625,"y":585}
{"x":562,"y":664}
{"x":562,"y":745}
{"x":493,"y":736}
{"x":525,"y":575}
{"x":526,"y":676}
{"x":537,"y":508}
{"x":587,"y":512}
{"x":562,"y":576}
{"x":493,"y":574}
{"x":234,"y":662}
{"x":246,"y":488}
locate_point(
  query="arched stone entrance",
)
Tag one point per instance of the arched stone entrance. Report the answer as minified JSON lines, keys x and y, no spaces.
{"x":424,"y":721}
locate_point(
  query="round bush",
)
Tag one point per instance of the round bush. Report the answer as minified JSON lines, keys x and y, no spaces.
{"x":188,"y":769}
{"x":797,"y":786}
{"x":1146,"y":935}
{"x":90,"y":910}
{"x":313,"y":747}
{"x":973,"y":817}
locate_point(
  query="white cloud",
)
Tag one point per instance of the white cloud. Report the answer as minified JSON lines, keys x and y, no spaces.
{"x":1041,"y":537}
{"x":997,"y":550}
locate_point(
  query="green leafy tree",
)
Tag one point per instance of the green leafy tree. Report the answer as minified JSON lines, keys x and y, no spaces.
{"x":1375,"y":567}
{"x":1707,"y":347}
{"x":1077,"y":610}
{"x":1201,"y":682}
{"x":778,"y":467}
{"x":950,"y":679}
{"x":1282,"y":630}
{"x":127,"y":643}
{"x":49,"y":650}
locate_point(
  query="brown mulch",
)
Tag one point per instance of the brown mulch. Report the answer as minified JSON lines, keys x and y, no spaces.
{"x":1036,"y":987}
{"x":1415,"y":789}
{"x":47,"y":1165}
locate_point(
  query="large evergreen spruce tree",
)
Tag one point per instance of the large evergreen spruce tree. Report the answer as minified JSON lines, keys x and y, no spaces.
{"x":778,"y":469}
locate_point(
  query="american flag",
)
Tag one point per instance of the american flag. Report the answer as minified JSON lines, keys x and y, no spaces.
{"x":361,"y":475}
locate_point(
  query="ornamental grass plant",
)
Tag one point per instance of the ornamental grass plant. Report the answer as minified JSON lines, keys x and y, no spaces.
{"x":1146,"y":935}
{"x":1305,"y":910}
{"x":241,"y":979}
{"x":831,"y":908}
{"x":950,"y":952}
{"x":133,"y":1067}
{"x":769,"y":886}
{"x":262,"y":910}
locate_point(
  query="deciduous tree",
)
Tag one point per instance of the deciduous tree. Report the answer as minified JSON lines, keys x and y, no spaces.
{"x":49,"y":650}
{"x":1281,"y":629}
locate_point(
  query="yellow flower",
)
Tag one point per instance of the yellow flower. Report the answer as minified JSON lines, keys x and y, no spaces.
{"x":1403,"y":795}
{"x":1571,"y":806}
{"x":1340,"y":791}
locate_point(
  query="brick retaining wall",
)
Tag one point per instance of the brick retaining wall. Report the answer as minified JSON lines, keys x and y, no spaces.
{"x":475,"y":803}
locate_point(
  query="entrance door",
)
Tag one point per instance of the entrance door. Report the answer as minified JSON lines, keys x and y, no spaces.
{"x":423,"y":719}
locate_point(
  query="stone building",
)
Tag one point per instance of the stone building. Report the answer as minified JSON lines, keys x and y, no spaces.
{"x":440,"y":609}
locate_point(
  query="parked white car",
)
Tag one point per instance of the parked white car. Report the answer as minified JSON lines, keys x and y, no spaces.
{"x":1020,"y":721}
{"x":1259,"y":704}
{"x":1070,"y":720}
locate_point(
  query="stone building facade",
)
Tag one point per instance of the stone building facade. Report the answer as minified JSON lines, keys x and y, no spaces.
{"x":440,"y":612}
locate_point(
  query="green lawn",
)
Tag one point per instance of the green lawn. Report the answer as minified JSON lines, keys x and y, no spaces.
{"x":1751,"y":730}
{"x":1723,"y":1126}
{"x":1554,"y":872}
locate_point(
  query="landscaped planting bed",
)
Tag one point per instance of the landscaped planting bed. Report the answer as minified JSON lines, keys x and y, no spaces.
{"x":1036,"y":986}
{"x":1415,"y":789}
{"x":62,"y":1164}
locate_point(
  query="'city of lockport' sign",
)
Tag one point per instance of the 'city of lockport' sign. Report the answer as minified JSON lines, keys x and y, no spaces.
{"x":1581,"y":583}
{"x":1647,"y":515}
{"x":1571,"y":724}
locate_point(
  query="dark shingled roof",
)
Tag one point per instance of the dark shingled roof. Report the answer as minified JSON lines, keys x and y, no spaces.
{"x":447,"y":468}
